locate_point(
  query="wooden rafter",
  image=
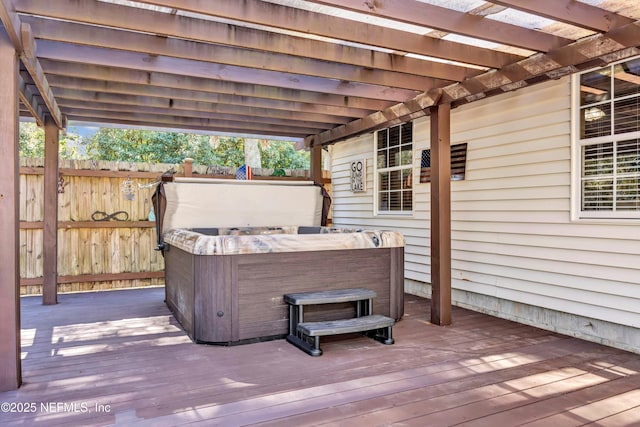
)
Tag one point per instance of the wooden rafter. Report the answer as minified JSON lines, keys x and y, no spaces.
{"x":112,"y":75}
{"x":388,"y":117}
{"x":146,"y":21}
{"x":11,"y":23}
{"x":282,"y":118}
{"x":20,"y":36}
{"x":570,"y":12}
{"x":69,"y":97}
{"x":29,"y":101}
{"x":177,"y":48}
{"x":178,"y":122}
{"x":448,"y":20}
{"x":130,"y":60}
{"x":78,"y":88}
{"x":273,"y":15}
{"x":262,"y":63}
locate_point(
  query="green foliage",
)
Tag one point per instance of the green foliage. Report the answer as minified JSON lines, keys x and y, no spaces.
{"x":229,"y":151}
{"x":31,"y":142}
{"x":162,"y":147}
{"x":282,"y":155}
{"x":69,"y":144}
{"x":165,"y":147}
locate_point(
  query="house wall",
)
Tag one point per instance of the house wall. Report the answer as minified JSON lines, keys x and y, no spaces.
{"x":516,"y":253}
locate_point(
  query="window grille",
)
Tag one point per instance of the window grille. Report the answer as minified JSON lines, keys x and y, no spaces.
{"x":609,"y":141}
{"x":394,"y":169}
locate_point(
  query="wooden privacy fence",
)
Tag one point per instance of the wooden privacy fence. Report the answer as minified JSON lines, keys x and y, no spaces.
{"x":98,"y":255}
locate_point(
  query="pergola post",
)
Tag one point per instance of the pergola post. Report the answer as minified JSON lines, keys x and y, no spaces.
{"x":188,"y":167}
{"x":441,"y":214}
{"x":50,"y":237}
{"x":316,"y":163}
{"x":10,"y":370}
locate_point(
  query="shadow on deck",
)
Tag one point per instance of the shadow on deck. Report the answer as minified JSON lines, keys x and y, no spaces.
{"x":120,"y":358}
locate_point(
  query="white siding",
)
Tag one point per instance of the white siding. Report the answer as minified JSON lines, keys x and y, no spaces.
{"x":512,"y":235}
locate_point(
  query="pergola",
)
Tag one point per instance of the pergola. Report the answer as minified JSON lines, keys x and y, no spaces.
{"x":314,"y":71}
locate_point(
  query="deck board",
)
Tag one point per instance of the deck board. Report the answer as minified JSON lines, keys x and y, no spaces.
{"x":124,"y":349}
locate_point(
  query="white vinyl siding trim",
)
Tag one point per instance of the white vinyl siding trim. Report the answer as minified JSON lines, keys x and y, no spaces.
{"x":512,"y":232}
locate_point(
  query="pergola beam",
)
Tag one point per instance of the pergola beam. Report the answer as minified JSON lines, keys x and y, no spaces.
{"x":215,"y":54}
{"x":11,"y":23}
{"x":452,"y":21}
{"x":70,"y":97}
{"x":274,"y":15}
{"x":30,"y":102}
{"x":391,"y":116}
{"x":112,"y":75}
{"x":151,"y":63}
{"x":35,"y":70}
{"x":31,"y":63}
{"x":75,"y":106}
{"x":22,"y":40}
{"x":68,"y":87}
{"x":570,"y":12}
{"x":181,"y":126}
{"x":210,"y":32}
{"x":178,"y":122}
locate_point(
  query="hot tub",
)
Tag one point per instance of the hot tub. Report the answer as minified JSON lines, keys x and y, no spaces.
{"x":225,"y":285}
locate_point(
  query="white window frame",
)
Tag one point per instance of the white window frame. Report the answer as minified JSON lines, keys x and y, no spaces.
{"x":376,"y":171}
{"x":577,"y":143}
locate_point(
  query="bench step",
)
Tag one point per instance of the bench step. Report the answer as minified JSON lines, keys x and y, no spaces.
{"x":329,"y":297}
{"x":308,"y":334}
{"x":345,"y":326}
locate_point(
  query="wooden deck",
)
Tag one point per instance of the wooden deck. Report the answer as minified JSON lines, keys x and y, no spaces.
{"x":120,"y":358}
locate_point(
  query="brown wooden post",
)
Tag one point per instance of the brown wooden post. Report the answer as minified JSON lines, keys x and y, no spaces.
{"x":440,"y":214}
{"x":188,"y":167}
{"x":10,"y":369}
{"x":316,"y":163}
{"x":50,"y":234}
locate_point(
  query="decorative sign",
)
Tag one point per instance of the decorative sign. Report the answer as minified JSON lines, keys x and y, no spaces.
{"x":128,"y":189}
{"x":359,"y":176}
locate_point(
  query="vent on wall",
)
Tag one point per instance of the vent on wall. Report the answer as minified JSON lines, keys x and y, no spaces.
{"x":458,"y":163}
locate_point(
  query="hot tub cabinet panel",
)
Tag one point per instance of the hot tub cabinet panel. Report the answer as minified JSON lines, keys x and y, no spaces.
{"x":229,"y":299}
{"x":179,"y":289}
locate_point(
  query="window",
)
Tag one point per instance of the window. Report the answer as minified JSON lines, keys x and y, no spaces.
{"x":608,"y":138}
{"x":394,"y":169}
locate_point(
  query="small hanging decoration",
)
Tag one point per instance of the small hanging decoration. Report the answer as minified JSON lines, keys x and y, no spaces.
{"x":61,"y":185}
{"x":128,"y":189}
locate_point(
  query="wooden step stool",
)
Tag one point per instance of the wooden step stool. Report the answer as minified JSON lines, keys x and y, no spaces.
{"x":306,"y":335}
